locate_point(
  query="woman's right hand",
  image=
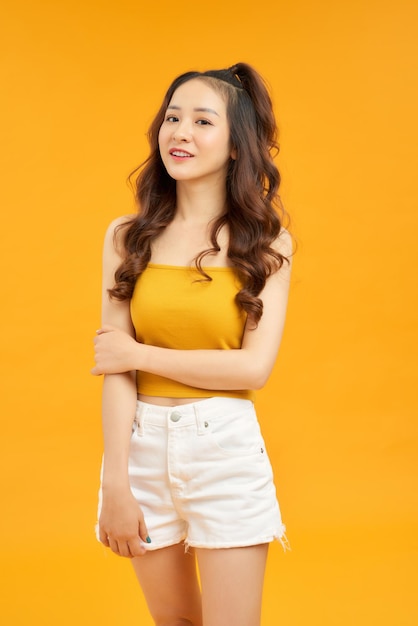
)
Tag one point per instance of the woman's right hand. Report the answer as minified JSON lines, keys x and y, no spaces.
{"x":122,"y":526}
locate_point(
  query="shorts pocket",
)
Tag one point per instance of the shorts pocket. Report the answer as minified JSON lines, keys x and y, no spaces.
{"x":236,"y":435}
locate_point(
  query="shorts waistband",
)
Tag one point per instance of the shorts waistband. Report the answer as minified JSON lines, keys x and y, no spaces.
{"x":185,"y":414}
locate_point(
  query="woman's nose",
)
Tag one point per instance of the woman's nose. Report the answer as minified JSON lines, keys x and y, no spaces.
{"x":182,"y":132}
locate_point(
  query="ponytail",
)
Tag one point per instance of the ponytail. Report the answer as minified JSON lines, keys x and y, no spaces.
{"x":256,"y":88}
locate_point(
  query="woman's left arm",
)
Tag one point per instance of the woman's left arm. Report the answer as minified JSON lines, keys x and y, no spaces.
{"x":246,"y":368}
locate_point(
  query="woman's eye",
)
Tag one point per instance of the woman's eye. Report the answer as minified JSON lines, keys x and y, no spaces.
{"x":171,"y":118}
{"x":204,"y":122}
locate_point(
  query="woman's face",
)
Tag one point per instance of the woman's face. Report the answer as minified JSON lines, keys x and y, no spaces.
{"x":194,"y":138}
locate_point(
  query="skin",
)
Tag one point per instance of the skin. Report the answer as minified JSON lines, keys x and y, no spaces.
{"x":196,"y":125}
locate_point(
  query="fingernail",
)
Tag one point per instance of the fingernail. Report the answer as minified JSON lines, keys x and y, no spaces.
{"x":148,"y":539}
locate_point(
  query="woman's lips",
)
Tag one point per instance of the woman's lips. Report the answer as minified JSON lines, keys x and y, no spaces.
{"x":180,"y":154}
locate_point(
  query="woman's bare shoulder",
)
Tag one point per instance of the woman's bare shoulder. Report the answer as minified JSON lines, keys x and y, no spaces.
{"x":115,"y":232}
{"x":118,"y":223}
{"x":284,"y":243}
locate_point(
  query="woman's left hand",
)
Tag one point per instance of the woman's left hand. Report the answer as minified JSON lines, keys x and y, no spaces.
{"x":114,"y":351}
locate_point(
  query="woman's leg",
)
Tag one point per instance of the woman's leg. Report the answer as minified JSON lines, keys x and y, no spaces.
{"x":169,"y":581}
{"x":232,"y":585}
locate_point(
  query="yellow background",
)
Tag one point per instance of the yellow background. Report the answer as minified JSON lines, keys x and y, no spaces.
{"x":80,"y":82}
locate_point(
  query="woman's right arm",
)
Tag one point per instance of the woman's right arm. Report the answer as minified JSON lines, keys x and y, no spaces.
{"x":121,"y":523}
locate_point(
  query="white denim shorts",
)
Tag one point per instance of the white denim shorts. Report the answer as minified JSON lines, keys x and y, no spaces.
{"x":201,"y":474}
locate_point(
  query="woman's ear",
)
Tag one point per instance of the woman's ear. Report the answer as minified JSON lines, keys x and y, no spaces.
{"x":234,"y":154}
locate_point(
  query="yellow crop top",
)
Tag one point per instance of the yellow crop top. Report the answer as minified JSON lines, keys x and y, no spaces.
{"x":172,"y":307}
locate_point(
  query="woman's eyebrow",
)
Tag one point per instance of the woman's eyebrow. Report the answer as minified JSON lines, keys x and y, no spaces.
{"x":197,"y":109}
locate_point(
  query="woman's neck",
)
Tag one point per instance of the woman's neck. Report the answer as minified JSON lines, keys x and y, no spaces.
{"x":199,"y":202}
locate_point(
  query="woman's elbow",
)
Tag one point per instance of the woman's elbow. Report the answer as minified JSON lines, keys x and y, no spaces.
{"x":258,"y":377}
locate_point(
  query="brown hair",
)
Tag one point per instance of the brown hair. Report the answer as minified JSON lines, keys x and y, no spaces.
{"x":254,"y":212}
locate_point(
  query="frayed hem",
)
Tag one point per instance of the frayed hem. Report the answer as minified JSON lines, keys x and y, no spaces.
{"x":280,"y":537}
{"x":284,"y":542}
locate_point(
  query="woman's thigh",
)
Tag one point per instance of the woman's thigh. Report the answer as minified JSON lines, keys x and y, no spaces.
{"x":169,"y":582}
{"x":232,"y":585}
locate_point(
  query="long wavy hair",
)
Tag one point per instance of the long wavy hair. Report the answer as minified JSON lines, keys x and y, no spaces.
{"x":253,"y":214}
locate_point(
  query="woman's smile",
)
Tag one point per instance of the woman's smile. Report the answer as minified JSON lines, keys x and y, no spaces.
{"x":180,"y":155}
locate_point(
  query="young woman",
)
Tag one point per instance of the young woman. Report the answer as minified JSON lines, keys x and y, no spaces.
{"x":194,"y":298}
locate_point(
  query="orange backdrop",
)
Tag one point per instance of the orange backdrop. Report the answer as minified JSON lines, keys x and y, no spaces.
{"x":80,"y":82}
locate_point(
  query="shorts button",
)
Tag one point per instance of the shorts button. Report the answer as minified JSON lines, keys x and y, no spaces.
{"x":175,"y":416}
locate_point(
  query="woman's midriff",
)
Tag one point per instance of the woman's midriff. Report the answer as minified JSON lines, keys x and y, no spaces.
{"x":162,"y":401}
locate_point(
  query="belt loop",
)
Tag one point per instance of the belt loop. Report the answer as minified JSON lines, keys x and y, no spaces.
{"x":139,"y":420}
{"x":200,"y":424}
